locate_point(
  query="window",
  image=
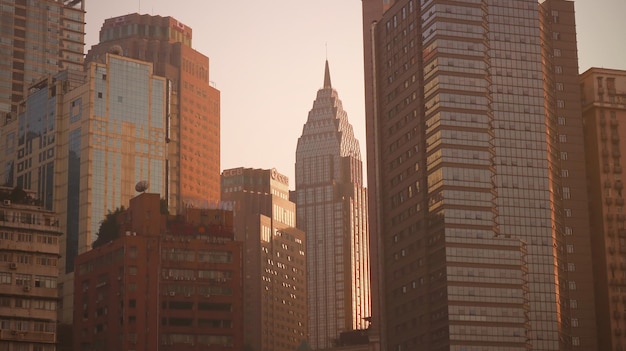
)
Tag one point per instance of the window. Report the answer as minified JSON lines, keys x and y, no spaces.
{"x":568,"y":231}
{"x":575,"y":341}
{"x":557,"y":52}
{"x":5,"y":278}
{"x":564,"y":173}
{"x":566,"y":193}
{"x":556,"y":35}
{"x":555,"y":16}
{"x":573,"y":304}
{"x":563,"y":138}
{"x":132,"y":270}
{"x":574,"y":322}
{"x":571,"y":267}
{"x":568,"y":212}
{"x":558,"y":69}
{"x":572,"y":285}
{"x":560,"y":103}
{"x":570,"y":248}
{"x":563,"y":155}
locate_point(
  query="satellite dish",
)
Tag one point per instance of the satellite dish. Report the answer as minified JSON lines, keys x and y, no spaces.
{"x":142,"y":186}
{"x":116,"y":50}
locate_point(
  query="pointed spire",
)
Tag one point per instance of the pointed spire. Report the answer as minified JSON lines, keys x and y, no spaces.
{"x":327,"y":77}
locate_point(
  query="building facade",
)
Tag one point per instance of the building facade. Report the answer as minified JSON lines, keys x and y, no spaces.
{"x":274,"y":258}
{"x":167,"y":283}
{"x":104,"y":132}
{"x":29,"y":254}
{"x":331,"y":209}
{"x":193,"y":116}
{"x":604,"y":112}
{"x":475,"y":131}
{"x":37,"y":38}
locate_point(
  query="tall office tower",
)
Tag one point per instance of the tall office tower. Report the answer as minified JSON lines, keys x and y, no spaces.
{"x":604,"y":112}
{"x":76,"y":146}
{"x":166,"y":283}
{"x":274,"y":258}
{"x":29,"y":250}
{"x":474,"y":132}
{"x":111,"y":136}
{"x":194,"y":117}
{"x":37,"y":38}
{"x":331,"y":208}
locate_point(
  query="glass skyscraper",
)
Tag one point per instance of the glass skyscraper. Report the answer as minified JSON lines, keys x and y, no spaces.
{"x":469,"y":106}
{"x":331,"y":208}
{"x":82,"y":142}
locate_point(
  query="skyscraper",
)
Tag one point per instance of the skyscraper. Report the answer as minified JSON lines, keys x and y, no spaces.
{"x":37,"y":38}
{"x":331,"y":208}
{"x":193,"y":117}
{"x":604,"y":110}
{"x":474,"y":131}
{"x":75,"y":145}
{"x":274,"y":258}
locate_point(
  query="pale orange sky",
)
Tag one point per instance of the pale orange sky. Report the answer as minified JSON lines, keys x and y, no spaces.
{"x":267,"y":59}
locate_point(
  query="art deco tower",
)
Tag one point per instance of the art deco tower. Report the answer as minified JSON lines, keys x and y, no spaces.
{"x":475,"y":132}
{"x":331,"y":208}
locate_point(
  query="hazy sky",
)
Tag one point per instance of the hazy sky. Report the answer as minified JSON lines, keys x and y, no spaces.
{"x":267,"y":59}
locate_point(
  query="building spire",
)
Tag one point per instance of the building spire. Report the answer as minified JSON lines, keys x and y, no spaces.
{"x":327,"y":77}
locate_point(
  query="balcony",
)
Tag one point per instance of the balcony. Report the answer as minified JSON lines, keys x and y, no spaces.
{"x":27,"y":336}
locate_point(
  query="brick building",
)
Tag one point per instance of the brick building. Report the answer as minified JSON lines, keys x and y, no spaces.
{"x":167,"y":282}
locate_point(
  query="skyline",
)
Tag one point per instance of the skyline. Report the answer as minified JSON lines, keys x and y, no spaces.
{"x":279,"y":87}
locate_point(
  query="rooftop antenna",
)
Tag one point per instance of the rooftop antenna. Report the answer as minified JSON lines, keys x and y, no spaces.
{"x":326,"y":44}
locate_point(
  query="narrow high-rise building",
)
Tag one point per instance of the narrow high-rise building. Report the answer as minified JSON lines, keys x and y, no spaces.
{"x":331,"y":202}
{"x":475,"y":132}
{"x":37,"y":38}
{"x":193,"y":117}
{"x":274,"y":260}
{"x":604,"y":111}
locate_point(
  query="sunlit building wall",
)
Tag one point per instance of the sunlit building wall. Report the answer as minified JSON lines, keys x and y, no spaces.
{"x":29,"y":253}
{"x":331,"y":202}
{"x":112,"y":136}
{"x":193,"y":119}
{"x":604,"y":112}
{"x":274,"y":258}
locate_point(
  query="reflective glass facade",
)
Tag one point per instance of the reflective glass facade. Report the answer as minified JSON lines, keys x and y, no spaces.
{"x":193,"y":116}
{"x":331,"y":209}
{"x":122,"y":143}
{"x":112,"y":135}
{"x":463,"y":143}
